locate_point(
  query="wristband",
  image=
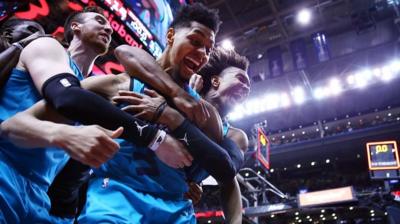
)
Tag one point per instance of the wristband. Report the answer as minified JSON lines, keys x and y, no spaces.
{"x":158,"y":140}
{"x":159,"y":111}
{"x":17,"y":45}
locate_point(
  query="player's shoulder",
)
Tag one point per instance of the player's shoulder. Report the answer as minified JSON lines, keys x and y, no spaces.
{"x":239,"y":137}
{"x":43,"y":44}
{"x":237,"y":132}
{"x":44,"y":47}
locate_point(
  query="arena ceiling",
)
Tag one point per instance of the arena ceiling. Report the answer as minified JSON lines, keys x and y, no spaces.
{"x":256,"y":25}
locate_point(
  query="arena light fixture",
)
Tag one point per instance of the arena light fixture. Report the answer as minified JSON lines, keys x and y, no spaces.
{"x":298,"y":95}
{"x":377,"y":72}
{"x":304,"y":17}
{"x":237,"y":113}
{"x":228,"y":45}
{"x":327,"y":161}
{"x":395,"y":66}
{"x":284,"y":100}
{"x":351,"y":79}
{"x":272,"y":101}
{"x":362,"y":78}
{"x":387,"y":74}
{"x":320,"y":93}
{"x":335,"y":86}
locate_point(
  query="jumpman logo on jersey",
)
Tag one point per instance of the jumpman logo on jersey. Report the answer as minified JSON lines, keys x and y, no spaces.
{"x":105,"y":182}
{"x":185,"y":139}
{"x":140,"y":128}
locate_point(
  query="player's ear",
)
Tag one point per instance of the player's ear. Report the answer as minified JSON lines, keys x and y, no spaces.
{"x":170,"y":36}
{"x":215,"y":81}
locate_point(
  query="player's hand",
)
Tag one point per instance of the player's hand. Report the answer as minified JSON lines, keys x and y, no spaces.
{"x":91,"y":145}
{"x":196,"y":82}
{"x":194,"y":193}
{"x":143,"y":106}
{"x":195,"y":111}
{"x":31,"y":38}
{"x":173,"y":153}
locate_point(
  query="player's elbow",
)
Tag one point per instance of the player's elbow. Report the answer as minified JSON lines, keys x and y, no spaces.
{"x":226,"y":171}
{"x":8,"y":127}
{"x":122,"y":51}
{"x":5,"y":128}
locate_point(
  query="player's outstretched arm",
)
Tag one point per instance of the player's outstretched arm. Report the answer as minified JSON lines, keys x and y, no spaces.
{"x":63,"y":91}
{"x":91,"y":145}
{"x":231,"y":202}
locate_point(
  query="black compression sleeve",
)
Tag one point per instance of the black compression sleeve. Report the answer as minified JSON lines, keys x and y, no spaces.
{"x":210,"y":156}
{"x":234,"y":152}
{"x":64,"y":93}
{"x":64,"y":191}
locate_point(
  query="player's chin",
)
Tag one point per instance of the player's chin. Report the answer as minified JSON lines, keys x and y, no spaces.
{"x":102,"y":48}
{"x":186,"y":73}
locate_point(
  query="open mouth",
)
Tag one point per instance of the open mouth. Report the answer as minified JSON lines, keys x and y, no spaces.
{"x":238,"y":95}
{"x":104,"y":37}
{"x":192,"y":64}
{"x":236,"y":98}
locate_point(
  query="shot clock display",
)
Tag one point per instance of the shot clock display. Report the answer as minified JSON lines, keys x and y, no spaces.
{"x":383,"y":155}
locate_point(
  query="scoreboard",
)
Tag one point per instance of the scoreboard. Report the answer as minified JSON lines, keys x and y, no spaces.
{"x":383,"y":155}
{"x":383,"y":160}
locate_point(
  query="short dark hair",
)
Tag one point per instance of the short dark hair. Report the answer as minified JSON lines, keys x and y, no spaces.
{"x":10,"y":23}
{"x":199,"y":13}
{"x":77,"y":17}
{"x":220,"y":59}
{"x":7,"y":28}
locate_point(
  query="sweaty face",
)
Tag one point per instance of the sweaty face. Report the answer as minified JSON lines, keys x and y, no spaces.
{"x":233,"y":88}
{"x":95,"y":31}
{"x":190,"y":48}
{"x":25,"y":29}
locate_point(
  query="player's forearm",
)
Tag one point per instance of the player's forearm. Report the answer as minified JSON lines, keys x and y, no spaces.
{"x":212,"y":127}
{"x":231,"y":202}
{"x":26,"y":131}
{"x":171,"y":118}
{"x":212,"y":157}
{"x":142,"y":66}
{"x":8,"y":59}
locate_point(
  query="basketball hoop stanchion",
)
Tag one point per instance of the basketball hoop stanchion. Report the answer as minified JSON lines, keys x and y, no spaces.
{"x":263,"y":149}
{"x":262,"y":181}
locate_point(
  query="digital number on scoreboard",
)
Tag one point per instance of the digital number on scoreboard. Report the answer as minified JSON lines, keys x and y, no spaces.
{"x":383,"y":155}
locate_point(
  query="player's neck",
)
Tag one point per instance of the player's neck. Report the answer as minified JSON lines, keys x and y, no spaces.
{"x":213,"y":98}
{"x":168,"y":67}
{"x":164,"y":62}
{"x":83,"y":56}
